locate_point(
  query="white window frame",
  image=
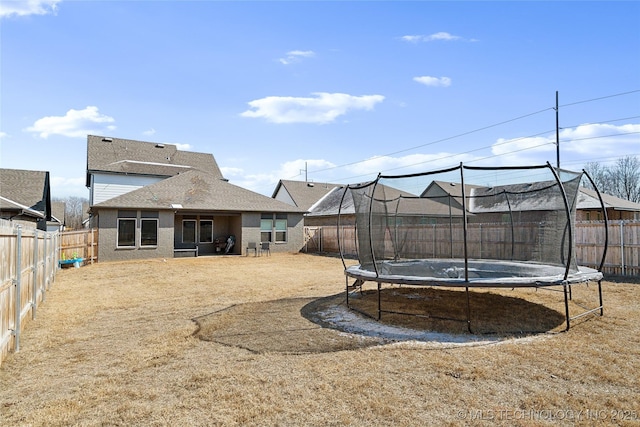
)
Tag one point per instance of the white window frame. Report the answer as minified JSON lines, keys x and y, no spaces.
{"x":277,"y":230}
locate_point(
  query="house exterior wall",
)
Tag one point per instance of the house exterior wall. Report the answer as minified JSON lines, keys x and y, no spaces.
{"x":330,"y":220}
{"x":251,"y":233}
{"x":107,"y":238}
{"x":107,"y":186}
{"x":612,"y":215}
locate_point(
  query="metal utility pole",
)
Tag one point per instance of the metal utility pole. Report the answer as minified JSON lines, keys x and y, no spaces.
{"x":557,"y":134}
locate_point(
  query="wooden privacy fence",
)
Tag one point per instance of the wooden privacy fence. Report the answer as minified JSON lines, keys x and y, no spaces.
{"x":79,"y":244}
{"x":623,"y":253}
{"x":27,"y":271}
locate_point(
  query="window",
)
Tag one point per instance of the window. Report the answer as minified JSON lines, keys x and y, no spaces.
{"x":126,"y":232}
{"x":281,"y":230}
{"x":189,"y":231}
{"x":206,"y":231}
{"x":273,"y":225}
{"x":148,"y":232}
{"x":266,"y":228}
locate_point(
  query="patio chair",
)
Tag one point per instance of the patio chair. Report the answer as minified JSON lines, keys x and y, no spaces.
{"x":264,"y":247}
{"x":252,"y":246}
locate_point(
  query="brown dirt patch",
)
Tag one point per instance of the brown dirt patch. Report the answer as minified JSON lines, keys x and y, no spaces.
{"x":277,"y":326}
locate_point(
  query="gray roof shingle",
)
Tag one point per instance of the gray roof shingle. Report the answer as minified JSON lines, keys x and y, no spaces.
{"x":25,"y":187}
{"x":305,"y":194}
{"x":117,"y":155}
{"x":197,"y":190}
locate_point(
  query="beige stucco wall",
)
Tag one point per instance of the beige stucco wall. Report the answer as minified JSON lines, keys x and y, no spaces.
{"x":107,"y":237}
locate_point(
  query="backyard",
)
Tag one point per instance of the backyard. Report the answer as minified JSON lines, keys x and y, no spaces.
{"x":233,"y":340}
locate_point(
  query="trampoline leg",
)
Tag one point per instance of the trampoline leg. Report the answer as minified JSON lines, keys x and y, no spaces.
{"x":566,"y":305}
{"x":600,"y":294}
{"x":347,"y":289}
{"x":379,"y":305}
{"x":468,"y":311}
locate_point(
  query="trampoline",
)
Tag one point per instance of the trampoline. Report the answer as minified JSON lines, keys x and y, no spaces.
{"x":469,"y":227}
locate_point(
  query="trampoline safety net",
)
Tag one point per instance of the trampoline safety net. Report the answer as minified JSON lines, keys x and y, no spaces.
{"x":467,"y":222}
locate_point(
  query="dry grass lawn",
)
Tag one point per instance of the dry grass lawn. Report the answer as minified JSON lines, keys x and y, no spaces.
{"x":238,"y":341}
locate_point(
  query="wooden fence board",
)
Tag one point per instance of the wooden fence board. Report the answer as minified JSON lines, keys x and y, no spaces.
{"x":28,"y":261}
{"x":491,"y":241}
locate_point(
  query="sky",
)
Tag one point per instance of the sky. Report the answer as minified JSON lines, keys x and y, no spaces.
{"x":327,"y":91}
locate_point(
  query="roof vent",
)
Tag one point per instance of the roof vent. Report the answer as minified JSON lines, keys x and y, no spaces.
{"x":107,"y":139}
{"x":159,"y":145}
{"x":309,"y":184}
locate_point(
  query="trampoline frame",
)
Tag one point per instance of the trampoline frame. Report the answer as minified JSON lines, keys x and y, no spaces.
{"x":565,"y":282}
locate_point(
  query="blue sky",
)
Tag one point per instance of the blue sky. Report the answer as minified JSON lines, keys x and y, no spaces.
{"x":342,"y":89}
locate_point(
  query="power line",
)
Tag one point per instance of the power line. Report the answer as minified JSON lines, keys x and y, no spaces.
{"x":600,"y":98}
{"x":435,"y":142}
{"x":481,"y":129}
{"x":485,"y":128}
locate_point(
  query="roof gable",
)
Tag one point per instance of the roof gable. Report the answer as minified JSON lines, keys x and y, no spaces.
{"x":304,"y":194}
{"x":197,"y":190}
{"x":117,"y":155}
{"x":27,"y":188}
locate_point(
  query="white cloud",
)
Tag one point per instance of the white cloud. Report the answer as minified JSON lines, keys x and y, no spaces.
{"x":74,"y":124}
{"x":66,"y":187}
{"x":149,"y":132}
{"x":27,"y":7}
{"x":228,"y":172}
{"x":183,"y":147}
{"x":3,"y":135}
{"x":433,"y":81}
{"x":587,"y":141}
{"x":265,"y":183}
{"x":296,"y":56}
{"x":322,"y":108}
{"x":433,"y":37}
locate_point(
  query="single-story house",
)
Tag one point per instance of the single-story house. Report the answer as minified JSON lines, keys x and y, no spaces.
{"x":25,"y":198}
{"x":589,"y":207}
{"x":303,"y":194}
{"x":153,"y":200}
{"x":442,"y":199}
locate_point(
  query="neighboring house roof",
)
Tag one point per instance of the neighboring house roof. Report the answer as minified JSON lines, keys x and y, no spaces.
{"x":26,"y":188}
{"x":588,"y":199}
{"x":303,"y":194}
{"x":10,"y":205}
{"x":196,"y":190}
{"x":536,"y":196}
{"x":330,"y":203}
{"x":126,"y":156}
{"x":58,"y":211}
{"x":439,"y":189}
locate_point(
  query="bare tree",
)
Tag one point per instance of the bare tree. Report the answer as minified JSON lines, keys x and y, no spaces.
{"x":73,"y":211}
{"x":621,"y":180}
{"x":626,"y":174}
{"x":600,"y":176}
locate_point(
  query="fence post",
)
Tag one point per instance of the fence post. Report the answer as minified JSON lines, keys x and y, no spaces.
{"x":18,"y":307}
{"x":34,"y":301}
{"x":45,"y":277}
{"x":624,"y":268}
